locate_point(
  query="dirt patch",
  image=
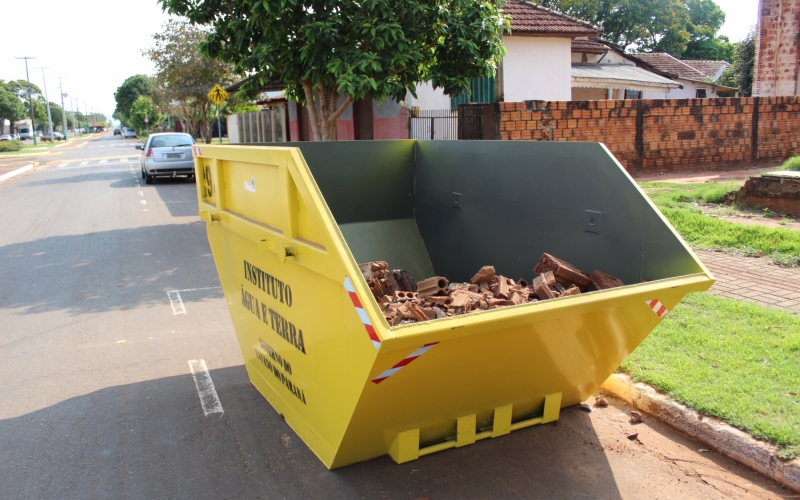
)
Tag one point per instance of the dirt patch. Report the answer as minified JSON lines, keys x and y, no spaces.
{"x":749,"y":217}
{"x":707,"y":176}
{"x":780,"y":193}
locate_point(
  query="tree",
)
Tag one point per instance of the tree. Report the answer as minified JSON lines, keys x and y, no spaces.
{"x":142,"y":108}
{"x":740,"y":75}
{"x":332,"y":52}
{"x":184,"y":75}
{"x":131,"y":89}
{"x":11,"y":107}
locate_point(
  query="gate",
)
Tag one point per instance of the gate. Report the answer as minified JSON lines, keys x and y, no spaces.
{"x":433,"y":124}
{"x":479,"y":121}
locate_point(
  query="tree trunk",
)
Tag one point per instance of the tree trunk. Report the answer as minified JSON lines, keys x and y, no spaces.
{"x":323,"y":127}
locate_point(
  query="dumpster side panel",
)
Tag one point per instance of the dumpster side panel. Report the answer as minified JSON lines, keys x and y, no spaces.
{"x":509,"y":361}
{"x":304,"y":343}
{"x":519,"y":200}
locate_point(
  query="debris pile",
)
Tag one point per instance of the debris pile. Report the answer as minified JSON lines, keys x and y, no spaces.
{"x":403,"y":301}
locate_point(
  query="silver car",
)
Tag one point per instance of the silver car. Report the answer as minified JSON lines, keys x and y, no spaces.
{"x":167,"y":155}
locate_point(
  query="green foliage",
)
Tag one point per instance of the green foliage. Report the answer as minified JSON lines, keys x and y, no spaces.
{"x":792,"y":163}
{"x":683,"y":28}
{"x":741,"y":74}
{"x":11,"y":107}
{"x":143,"y":108}
{"x":324,"y":49}
{"x":728,"y":358}
{"x":184,"y":75}
{"x":131,"y":89}
{"x":8,"y":146}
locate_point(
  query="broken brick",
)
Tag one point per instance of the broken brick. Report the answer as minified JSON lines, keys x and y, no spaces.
{"x":564,"y":272}
{"x":502,"y":288}
{"x":541,"y":286}
{"x":602,"y":281}
{"x":432,"y":286}
{"x":486,"y":273}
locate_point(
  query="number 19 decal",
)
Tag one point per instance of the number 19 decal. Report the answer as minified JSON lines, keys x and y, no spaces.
{"x":209,"y":183}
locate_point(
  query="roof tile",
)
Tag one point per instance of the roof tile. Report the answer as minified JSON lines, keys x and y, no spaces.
{"x":664,"y":62}
{"x":530,"y":18}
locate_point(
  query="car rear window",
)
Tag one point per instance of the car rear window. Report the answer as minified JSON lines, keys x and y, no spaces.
{"x":168,"y":141}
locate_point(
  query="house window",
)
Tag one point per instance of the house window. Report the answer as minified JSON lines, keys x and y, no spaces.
{"x":633,"y":94}
{"x":701,"y":93}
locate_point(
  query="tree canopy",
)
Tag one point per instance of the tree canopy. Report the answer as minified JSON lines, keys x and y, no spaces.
{"x":740,"y":75}
{"x":11,"y":107}
{"x":184,"y":75}
{"x":683,"y":28}
{"x":332,"y":52}
{"x":131,"y":89}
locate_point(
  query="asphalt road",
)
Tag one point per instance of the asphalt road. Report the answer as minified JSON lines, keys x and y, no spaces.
{"x":99,"y":402}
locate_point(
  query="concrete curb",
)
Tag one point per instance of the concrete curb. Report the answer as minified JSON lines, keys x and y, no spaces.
{"x":16,"y":172}
{"x":711,"y":431}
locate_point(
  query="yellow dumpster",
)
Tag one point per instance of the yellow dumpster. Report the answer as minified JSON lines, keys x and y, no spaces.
{"x":288,"y":226}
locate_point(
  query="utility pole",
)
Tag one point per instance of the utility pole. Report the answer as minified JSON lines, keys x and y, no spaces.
{"x":86,"y":113}
{"x":63,"y":109}
{"x":72,"y":107}
{"x":47,"y":101}
{"x":30,"y":97}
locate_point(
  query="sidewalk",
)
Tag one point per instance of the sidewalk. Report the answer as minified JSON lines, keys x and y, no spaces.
{"x":756,"y":280}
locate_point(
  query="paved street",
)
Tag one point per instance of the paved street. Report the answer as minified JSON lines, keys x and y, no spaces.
{"x":109,"y":290}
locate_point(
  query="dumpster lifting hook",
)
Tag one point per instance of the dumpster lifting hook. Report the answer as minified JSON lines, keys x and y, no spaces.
{"x":278,"y":247}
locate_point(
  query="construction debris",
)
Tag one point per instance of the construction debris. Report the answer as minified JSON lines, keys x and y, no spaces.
{"x":404,"y":301}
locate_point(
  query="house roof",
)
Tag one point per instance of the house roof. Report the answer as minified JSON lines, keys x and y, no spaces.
{"x":712,"y":69}
{"x":530,"y":19}
{"x":625,"y":76}
{"x":587,"y":46}
{"x":668,"y":64}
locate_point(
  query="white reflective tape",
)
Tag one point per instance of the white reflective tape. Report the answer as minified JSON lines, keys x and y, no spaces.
{"x":176,"y":302}
{"x":362,"y":315}
{"x":348,"y":285}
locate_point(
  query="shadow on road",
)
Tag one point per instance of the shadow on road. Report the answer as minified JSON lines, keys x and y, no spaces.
{"x":151,"y":440}
{"x":107,"y":270}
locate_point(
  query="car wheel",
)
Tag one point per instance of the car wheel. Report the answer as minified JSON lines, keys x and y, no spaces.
{"x":148,"y":179}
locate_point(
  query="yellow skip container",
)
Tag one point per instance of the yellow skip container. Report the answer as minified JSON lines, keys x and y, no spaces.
{"x":288,"y":225}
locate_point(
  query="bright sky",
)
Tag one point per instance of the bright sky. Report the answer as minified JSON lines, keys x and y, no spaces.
{"x":96,"y":44}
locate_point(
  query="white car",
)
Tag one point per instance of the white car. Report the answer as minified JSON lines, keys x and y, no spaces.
{"x":167,"y":154}
{"x":5,"y":137}
{"x":129,"y":132}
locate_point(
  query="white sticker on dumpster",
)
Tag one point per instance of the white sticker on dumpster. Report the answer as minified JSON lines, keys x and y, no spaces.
{"x":250,"y":186}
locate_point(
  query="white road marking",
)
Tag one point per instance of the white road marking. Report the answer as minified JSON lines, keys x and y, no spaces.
{"x":145,"y":210}
{"x":64,"y":165}
{"x":99,"y":146}
{"x":143,"y":202}
{"x":141,"y":193}
{"x":81,"y":145}
{"x":16,"y":172}
{"x":198,"y":289}
{"x":83,"y":163}
{"x":176,"y":302}
{"x":102,"y":161}
{"x":205,"y":387}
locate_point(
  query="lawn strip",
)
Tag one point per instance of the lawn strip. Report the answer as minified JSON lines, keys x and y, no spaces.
{"x":732,"y":359}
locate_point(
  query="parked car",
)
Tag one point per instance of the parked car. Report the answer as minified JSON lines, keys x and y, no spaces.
{"x":129,"y":132}
{"x":47,"y":137}
{"x":117,"y":132}
{"x":167,"y":155}
{"x":5,"y":137}
{"x":24,"y":132}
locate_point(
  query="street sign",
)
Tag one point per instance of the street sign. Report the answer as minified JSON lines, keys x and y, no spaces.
{"x":146,"y":119}
{"x":217,"y":95}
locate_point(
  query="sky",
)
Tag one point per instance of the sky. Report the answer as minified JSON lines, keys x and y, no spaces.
{"x":96,"y":44}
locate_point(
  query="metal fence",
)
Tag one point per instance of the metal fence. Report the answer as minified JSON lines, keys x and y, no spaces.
{"x":433,"y":124}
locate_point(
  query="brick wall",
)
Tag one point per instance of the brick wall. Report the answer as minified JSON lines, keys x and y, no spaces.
{"x":649,"y":136}
{"x":777,"y":43}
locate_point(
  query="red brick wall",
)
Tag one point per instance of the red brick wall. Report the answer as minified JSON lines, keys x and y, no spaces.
{"x":649,"y":136}
{"x":777,"y":43}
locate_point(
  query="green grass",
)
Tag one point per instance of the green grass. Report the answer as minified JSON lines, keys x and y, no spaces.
{"x":732,"y":359}
{"x":674,"y":200}
{"x":792,"y":163}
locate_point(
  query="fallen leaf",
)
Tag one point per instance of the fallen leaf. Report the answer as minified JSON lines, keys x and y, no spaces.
{"x":633,"y":436}
{"x":790,"y":394}
{"x":700,"y":356}
{"x":636,"y":417}
{"x":703,"y":450}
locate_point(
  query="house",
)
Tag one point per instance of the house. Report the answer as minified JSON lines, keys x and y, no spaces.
{"x":553,"y":57}
{"x":698,"y":79}
{"x":602,"y":71}
{"x":776,"y":62}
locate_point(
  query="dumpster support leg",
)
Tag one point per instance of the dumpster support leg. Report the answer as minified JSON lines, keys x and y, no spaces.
{"x":465,"y":431}
{"x":405,"y":447}
{"x":552,"y":408}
